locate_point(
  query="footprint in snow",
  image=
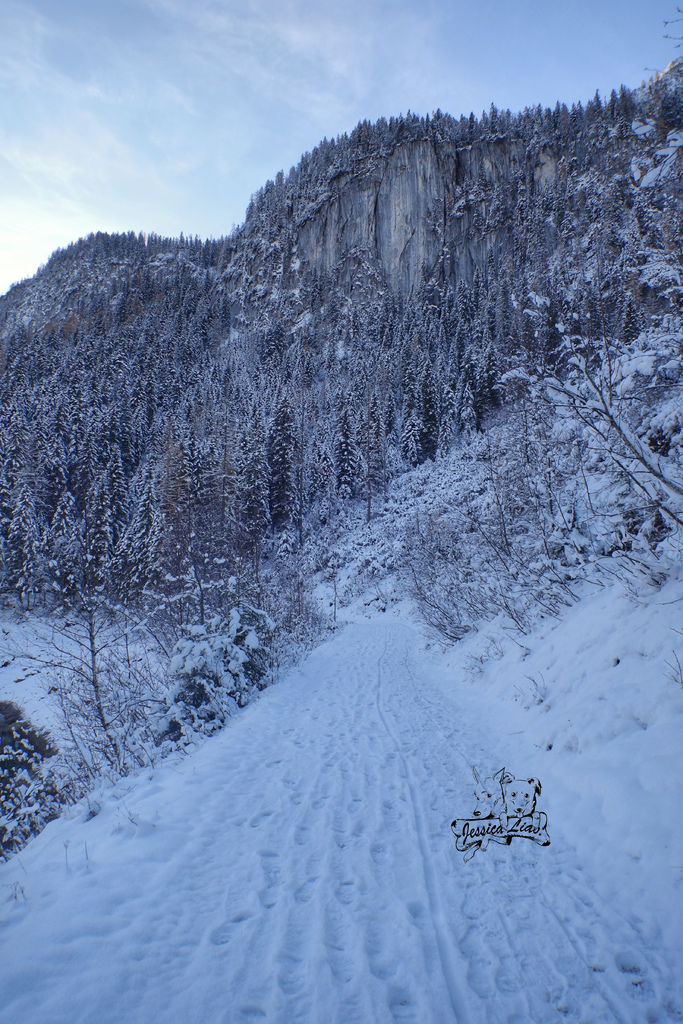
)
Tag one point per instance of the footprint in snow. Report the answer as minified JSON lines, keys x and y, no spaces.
{"x":221,"y":935}
{"x":252,"y":1013}
{"x":301,"y":835}
{"x":479,"y":976}
{"x":258,"y":819}
{"x":640,"y":986}
{"x":271,"y":874}
{"x":345,"y":892}
{"x":305,"y":892}
{"x":291,"y":976}
{"x":507,"y":976}
{"x":378,"y":853}
{"x":401,"y":1005}
{"x":381,"y":962}
{"x":417,"y":912}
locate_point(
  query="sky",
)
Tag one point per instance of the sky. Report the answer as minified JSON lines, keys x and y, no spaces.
{"x":167,"y":115}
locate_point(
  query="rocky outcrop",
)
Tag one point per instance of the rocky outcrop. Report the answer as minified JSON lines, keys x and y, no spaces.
{"x":424,"y":211}
{"x":399,"y":211}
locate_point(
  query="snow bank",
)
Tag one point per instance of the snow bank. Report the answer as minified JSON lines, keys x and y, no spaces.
{"x":593,"y":706}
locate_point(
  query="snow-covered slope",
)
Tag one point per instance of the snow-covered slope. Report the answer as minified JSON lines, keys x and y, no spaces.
{"x":300,"y":866}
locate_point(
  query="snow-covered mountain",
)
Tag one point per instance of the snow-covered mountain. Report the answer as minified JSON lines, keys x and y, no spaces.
{"x":401,"y":205}
{"x":381,"y":493}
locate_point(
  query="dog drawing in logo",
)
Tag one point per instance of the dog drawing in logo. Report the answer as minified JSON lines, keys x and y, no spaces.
{"x":490,"y":799}
{"x":489,"y":794}
{"x":519,"y":796}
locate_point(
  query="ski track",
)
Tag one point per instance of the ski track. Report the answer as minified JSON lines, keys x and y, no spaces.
{"x":319,"y":881}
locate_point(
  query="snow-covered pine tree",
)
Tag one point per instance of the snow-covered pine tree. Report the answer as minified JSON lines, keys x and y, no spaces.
{"x":24,"y":549}
{"x":254,"y":491}
{"x":346,"y":453}
{"x":281,"y":456}
{"x":216,"y":666}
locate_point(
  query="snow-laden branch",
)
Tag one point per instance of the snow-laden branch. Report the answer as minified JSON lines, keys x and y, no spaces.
{"x":596,"y":397}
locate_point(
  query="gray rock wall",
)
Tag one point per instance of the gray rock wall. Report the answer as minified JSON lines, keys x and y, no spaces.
{"x":396,"y":212}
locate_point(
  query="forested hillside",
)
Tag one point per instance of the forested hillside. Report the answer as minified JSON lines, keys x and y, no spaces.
{"x":186,"y":426}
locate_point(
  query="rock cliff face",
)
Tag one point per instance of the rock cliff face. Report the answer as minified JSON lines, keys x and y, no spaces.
{"x":389,"y":212}
{"x":399,"y":212}
{"x":426,"y":211}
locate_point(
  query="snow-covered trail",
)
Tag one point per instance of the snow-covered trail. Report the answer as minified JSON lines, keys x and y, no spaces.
{"x":300,"y":867}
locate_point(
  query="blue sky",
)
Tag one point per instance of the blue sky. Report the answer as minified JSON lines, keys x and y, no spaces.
{"x":166,"y":115}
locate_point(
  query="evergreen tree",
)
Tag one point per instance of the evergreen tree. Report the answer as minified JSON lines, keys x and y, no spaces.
{"x":118,"y":493}
{"x":346,"y":454}
{"x":411,"y":448}
{"x":429,"y":402}
{"x":24,"y":547}
{"x":322,"y":487}
{"x":281,"y":451}
{"x":448,"y":418}
{"x":255,"y":513}
{"x":138,"y":558}
{"x":629,"y":323}
{"x":64,"y":548}
{"x":372,"y":448}
{"x":467,"y":409}
{"x":485,"y":380}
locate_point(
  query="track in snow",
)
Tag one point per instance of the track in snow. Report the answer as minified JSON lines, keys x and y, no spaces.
{"x":300,"y":867}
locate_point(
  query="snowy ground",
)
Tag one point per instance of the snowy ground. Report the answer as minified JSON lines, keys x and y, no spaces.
{"x":22,"y":680}
{"x":300,"y":866}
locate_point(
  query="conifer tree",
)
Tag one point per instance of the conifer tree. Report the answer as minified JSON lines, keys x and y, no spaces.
{"x":429,"y":408}
{"x":372,"y":448}
{"x":485,"y":380}
{"x":411,"y":448}
{"x":467,"y":409}
{"x":629,"y":323}
{"x":138,"y":559}
{"x":255,"y":513}
{"x":64,"y":548}
{"x":346,"y":454}
{"x":281,"y":450}
{"x":24,"y":547}
{"x":322,"y":481}
{"x":447,"y":423}
{"x":118,"y":493}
